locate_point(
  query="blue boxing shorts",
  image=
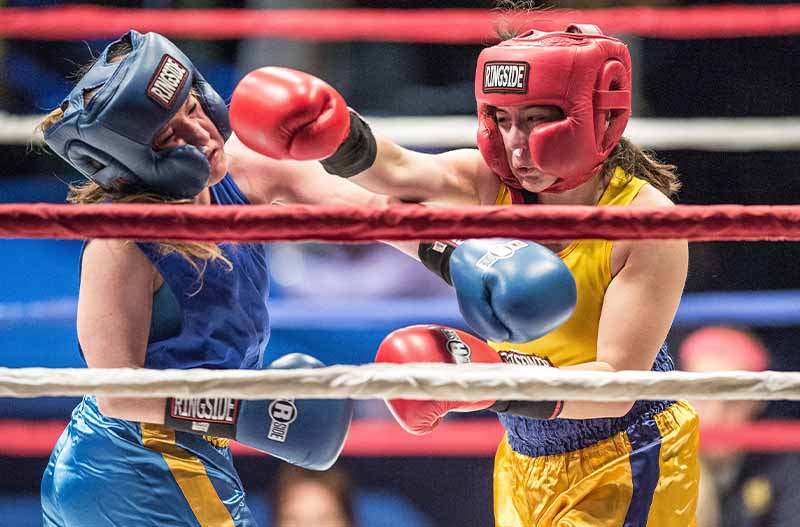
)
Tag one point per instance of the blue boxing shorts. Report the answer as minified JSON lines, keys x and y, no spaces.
{"x":107,"y":471}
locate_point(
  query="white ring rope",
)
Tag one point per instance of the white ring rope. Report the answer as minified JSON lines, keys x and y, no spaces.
{"x":411,"y":381}
{"x":745,"y":134}
{"x":711,"y":134}
{"x":19,"y":129}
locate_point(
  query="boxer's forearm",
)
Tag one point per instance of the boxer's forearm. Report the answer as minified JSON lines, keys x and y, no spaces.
{"x":593,"y":409}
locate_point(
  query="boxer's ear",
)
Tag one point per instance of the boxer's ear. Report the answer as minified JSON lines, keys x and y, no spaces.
{"x":101,"y":167}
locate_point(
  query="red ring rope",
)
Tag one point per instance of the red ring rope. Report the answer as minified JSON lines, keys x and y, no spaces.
{"x":463,"y":26}
{"x":399,"y":222}
{"x":471,"y":437}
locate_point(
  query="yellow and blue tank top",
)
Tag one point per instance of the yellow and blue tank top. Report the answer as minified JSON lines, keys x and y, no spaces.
{"x":575,"y":342}
{"x":218,"y":320}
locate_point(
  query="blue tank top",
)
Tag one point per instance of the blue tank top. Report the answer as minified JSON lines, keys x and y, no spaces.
{"x":219,"y":321}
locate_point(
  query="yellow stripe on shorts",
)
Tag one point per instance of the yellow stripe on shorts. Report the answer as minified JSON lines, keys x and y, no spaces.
{"x":191,"y":476}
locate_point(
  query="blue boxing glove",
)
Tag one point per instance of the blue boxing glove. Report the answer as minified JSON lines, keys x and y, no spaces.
{"x":508,"y":290}
{"x":309,"y":433}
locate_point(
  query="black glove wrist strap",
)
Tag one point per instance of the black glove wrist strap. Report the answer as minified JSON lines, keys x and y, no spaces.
{"x":212,"y":416}
{"x":436,"y":257}
{"x":356,"y":154}
{"x":532,"y":409}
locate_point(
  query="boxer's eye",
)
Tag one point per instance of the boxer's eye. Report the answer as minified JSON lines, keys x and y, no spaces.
{"x":537,"y":119}
{"x":165,"y":138}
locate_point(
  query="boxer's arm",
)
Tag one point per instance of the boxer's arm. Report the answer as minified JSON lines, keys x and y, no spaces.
{"x":114,"y":310}
{"x":311,"y":185}
{"x":288,"y":114}
{"x":269,"y":181}
{"x":638,"y":309}
{"x":454,"y":177}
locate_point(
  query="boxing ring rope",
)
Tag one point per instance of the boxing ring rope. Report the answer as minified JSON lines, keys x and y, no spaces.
{"x":741,"y":134}
{"x":477,"y":437}
{"x":464,"y":26}
{"x":247,"y":223}
{"x":463,"y":382}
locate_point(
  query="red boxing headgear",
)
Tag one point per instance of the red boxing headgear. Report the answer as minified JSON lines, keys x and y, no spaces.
{"x":581,"y":71}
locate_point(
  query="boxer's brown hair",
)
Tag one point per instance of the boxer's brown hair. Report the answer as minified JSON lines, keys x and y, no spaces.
{"x":516,"y":17}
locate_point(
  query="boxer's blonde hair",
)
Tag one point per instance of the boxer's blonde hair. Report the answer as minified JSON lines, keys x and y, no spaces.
{"x":197,"y":254}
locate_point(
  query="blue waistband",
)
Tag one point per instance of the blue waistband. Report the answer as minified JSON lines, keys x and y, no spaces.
{"x":538,"y":437}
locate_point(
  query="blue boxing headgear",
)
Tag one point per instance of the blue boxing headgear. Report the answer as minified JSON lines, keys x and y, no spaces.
{"x":110,"y":138}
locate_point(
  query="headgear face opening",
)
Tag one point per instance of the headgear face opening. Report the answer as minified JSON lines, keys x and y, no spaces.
{"x":582,"y":72}
{"x":110,"y":138}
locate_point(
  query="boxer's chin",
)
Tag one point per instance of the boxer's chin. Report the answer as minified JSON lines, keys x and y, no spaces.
{"x":219,"y":166}
{"x":534,"y":180}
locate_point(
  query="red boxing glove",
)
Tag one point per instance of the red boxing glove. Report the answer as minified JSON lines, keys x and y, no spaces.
{"x":287,"y":114}
{"x":429,"y":343}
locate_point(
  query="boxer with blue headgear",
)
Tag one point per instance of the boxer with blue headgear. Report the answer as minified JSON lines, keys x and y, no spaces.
{"x":142,"y":120}
{"x":110,"y":139}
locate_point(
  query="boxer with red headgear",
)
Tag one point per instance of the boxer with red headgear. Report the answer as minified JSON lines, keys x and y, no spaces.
{"x":552,"y":108}
{"x":583,"y":73}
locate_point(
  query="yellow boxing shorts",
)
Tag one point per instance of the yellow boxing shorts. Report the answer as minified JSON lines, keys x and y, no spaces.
{"x":645,"y":475}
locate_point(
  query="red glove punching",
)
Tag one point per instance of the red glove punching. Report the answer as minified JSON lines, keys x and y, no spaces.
{"x":431,"y":343}
{"x":287,"y":114}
